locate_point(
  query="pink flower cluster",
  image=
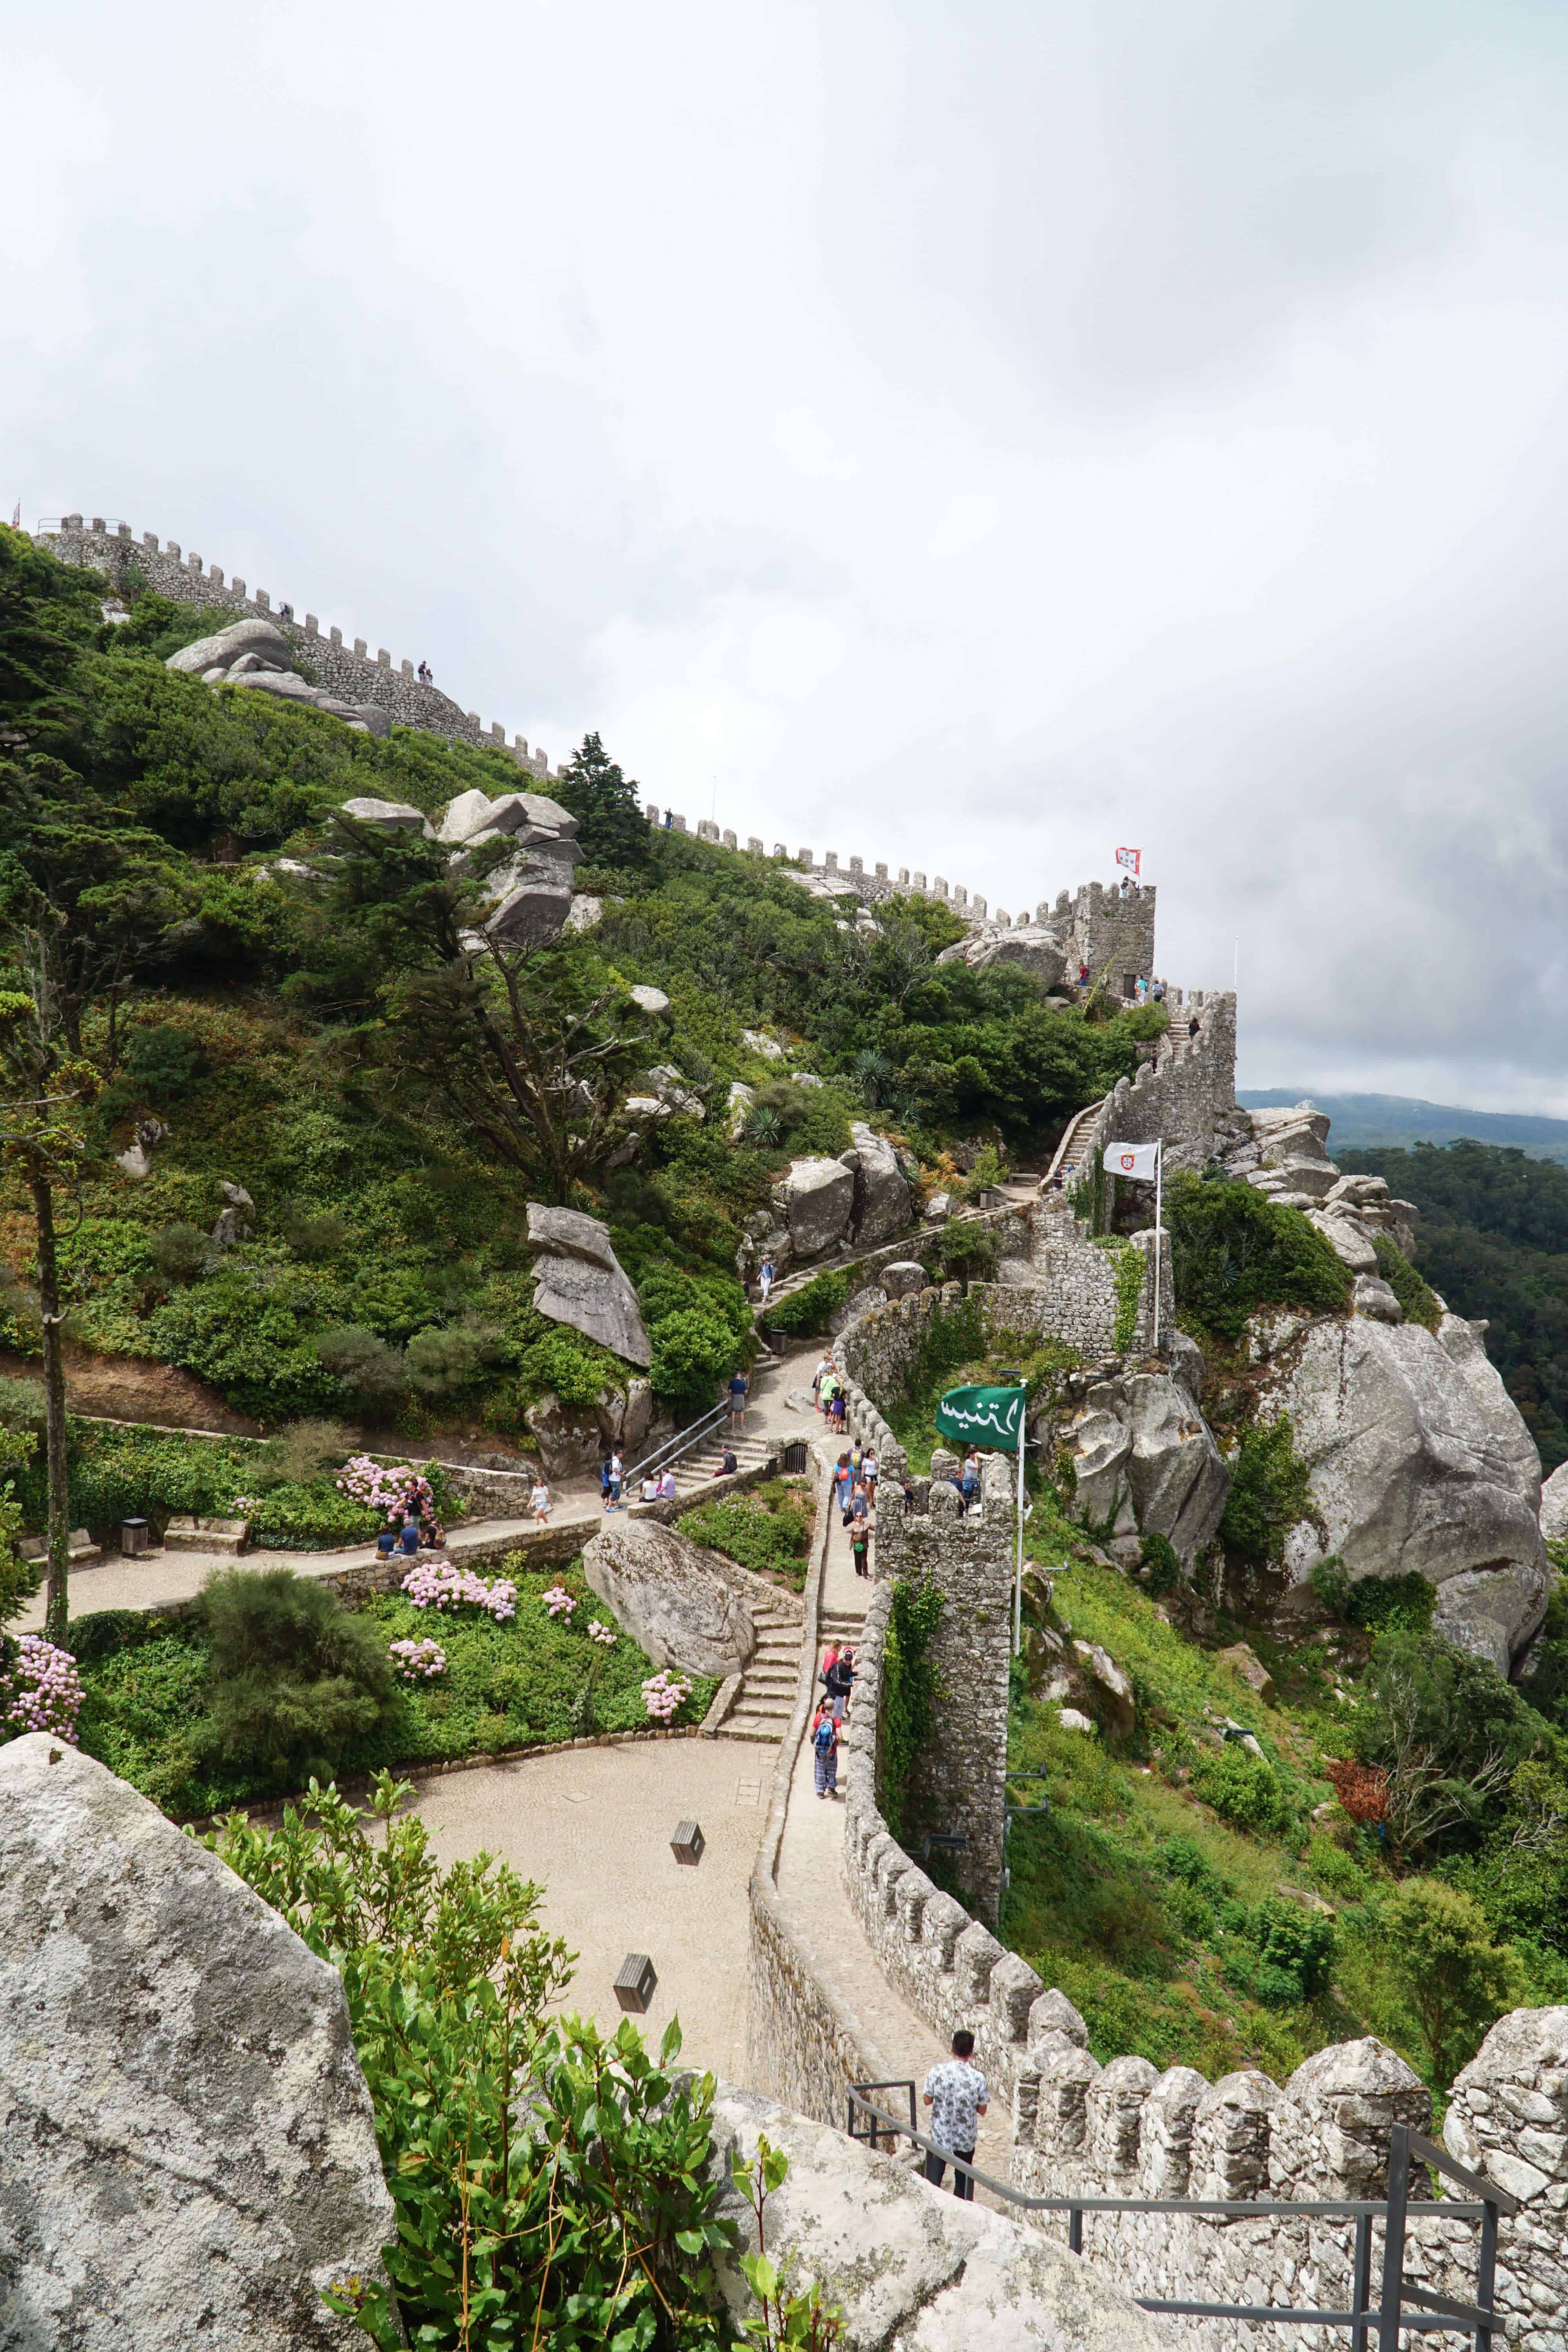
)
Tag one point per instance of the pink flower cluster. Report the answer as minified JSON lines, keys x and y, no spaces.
{"x":242,"y":1504}
{"x":43,"y":1691}
{"x":559,"y":1603}
{"x":663,"y":1693}
{"x":597,"y":1632}
{"x":384,"y":1489}
{"x":418,"y":1661}
{"x":437,"y":1584}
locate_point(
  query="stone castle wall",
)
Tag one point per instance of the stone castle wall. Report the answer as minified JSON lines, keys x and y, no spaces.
{"x":1184,"y":1096}
{"x":351,"y":672}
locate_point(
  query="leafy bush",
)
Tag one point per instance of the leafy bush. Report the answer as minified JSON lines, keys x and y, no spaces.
{"x":441,"y":1360}
{"x":319,"y":1233}
{"x":582,"y":2215}
{"x":692,"y":1352}
{"x":1243,"y":1789}
{"x":1379,"y":1603}
{"x":1158,"y":1565}
{"x":564,"y":1364}
{"x":1270,"y":1492}
{"x":1455,"y":1978}
{"x":1295,"y":1951}
{"x":251,"y":1339}
{"x":1233,"y":1251}
{"x":302,"y":1452}
{"x":366,"y":1367}
{"x":293,"y":1676}
{"x":811,"y":1308}
{"x":1418,"y":1298}
{"x":763,"y":1531}
{"x":181,"y":1253}
{"x":1447,"y":1732}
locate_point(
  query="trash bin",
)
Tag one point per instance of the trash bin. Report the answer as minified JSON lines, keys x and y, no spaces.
{"x":794,"y":1457}
{"x":135,"y":1536}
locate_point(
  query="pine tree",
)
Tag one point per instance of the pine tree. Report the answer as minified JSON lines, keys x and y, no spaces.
{"x":612,"y":829}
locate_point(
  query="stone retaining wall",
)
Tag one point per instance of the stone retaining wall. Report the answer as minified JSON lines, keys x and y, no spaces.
{"x":1184,"y":1097}
{"x":353,"y":673}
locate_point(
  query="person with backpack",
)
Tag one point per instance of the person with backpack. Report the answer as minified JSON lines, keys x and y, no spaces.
{"x":604,"y":1482}
{"x":824,"y":1752}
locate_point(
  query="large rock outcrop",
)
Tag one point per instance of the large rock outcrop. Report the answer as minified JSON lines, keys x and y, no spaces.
{"x":188,"y":2152}
{"x":255,"y":654}
{"x":914,"y":2268}
{"x":1418,"y":1461}
{"x":578,"y":1279}
{"x":1555,"y":1505}
{"x":881,"y":1205}
{"x":531,"y":889}
{"x":664,"y":1592}
{"x":816,"y":1199}
{"x":1144,"y":1460}
{"x":1033,"y":947}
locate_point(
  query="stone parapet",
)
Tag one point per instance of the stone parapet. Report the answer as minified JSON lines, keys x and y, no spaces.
{"x":353,"y":673}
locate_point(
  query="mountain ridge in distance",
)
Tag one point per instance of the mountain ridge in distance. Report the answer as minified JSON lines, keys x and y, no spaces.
{"x":1359,"y":1121}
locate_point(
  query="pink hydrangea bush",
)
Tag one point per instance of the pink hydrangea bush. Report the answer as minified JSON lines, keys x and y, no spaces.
{"x":559,"y":1603}
{"x":40,"y":1690}
{"x":601,"y":1634}
{"x":438,"y":1584}
{"x":664,"y":1694}
{"x":386,"y":1490}
{"x":417,"y":1662}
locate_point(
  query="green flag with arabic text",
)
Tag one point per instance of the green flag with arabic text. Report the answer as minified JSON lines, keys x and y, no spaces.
{"x":989,"y":1418}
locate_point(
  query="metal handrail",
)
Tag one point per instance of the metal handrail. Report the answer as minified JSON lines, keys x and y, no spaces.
{"x":1402,"y":2303}
{"x":681,"y":1443}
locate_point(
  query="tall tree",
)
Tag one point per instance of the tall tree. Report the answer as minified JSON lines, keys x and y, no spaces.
{"x":48,"y":1091}
{"x":528,"y":1052}
{"x":612,"y":828}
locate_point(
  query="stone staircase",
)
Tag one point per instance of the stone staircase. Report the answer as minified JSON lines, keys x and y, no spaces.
{"x":703,"y":1465}
{"x":765,"y":1700}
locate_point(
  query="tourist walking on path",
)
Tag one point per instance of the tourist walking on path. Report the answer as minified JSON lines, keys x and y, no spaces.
{"x":821,"y":1373}
{"x":957,"y":2097}
{"x":765,"y":1278}
{"x":844,"y":1486}
{"x":869,"y":1474}
{"x":737,"y":1399}
{"x":824,"y":1752}
{"x":840,"y":1678}
{"x":861,"y":1549}
{"x":539,"y":1504}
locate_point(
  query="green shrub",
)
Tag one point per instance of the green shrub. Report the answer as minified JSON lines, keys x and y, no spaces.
{"x":1243,"y":1789}
{"x":293,"y":1676}
{"x":1160,"y":1565}
{"x":1296,"y":1951}
{"x":1270,"y":1492}
{"x":1454,"y":1976}
{"x":1379,"y":1603}
{"x":692,"y":1352}
{"x":563,"y":1363}
{"x":1419,"y":1300}
{"x":771,"y":1537}
{"x":181,"y":1253}
{"x":812,"y":1306}
{"x":1233,"y":1251}
{"x":252,"y":1339}
{"x":443,"y":1358}
{"x":366,"y":1369}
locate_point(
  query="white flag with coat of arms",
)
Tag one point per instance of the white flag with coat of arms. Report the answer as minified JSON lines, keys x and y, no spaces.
{"x":1137,"y":1160}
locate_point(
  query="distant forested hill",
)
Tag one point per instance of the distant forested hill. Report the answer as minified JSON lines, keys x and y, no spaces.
{"x":1365,"y":1120}
{"x":1493,"y":1239}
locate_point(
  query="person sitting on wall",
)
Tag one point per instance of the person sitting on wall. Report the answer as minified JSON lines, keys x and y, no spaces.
{"x":729,"y":1465}
{"x":666,"y":1485}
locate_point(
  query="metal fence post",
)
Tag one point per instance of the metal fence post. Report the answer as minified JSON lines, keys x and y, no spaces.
{"x":1392,"y":2297}
{"x":1075,"y":2229}
{"x":1361,"y":2287}
{"x":1485,"y":2274}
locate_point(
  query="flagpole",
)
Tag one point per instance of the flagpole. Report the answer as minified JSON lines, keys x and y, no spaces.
{"x":1018,"y":1568}
{"x":1159,"y":1177}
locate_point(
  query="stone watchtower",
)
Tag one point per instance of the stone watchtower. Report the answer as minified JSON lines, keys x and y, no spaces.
{"x":1112,"y":932}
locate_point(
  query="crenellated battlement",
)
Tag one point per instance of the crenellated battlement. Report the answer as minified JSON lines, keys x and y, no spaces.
{"x":109,"y":546}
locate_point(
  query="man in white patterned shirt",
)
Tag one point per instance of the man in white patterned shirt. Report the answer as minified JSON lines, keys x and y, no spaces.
{"x":957,"y":2098}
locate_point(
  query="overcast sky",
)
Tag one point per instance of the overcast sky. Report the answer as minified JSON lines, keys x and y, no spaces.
{"x":967,"y":435}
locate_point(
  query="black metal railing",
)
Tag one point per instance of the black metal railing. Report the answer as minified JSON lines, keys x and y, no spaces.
{"x":1402,"y":2303}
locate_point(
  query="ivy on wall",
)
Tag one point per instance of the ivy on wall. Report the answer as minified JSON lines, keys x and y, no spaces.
{"x":910,"y":1688}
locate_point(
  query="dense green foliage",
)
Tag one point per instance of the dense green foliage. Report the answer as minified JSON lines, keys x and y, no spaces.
{"x":1493,"y":1240}
{"x":508,"y":1685}
{"x":1269,"y":1493}
{"x":911,"y":1692}
{"x":293,"y":1678}
{"x":768,"y":1530}
{"x":1233,"y":1251}
{"x":812,"y":1306}
{"x":551,"y":2182}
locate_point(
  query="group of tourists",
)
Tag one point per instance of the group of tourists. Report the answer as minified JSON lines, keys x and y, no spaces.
{"x":413,"y":1524}
{"x":827,"y":1387}
{"x":837,"y":1679}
